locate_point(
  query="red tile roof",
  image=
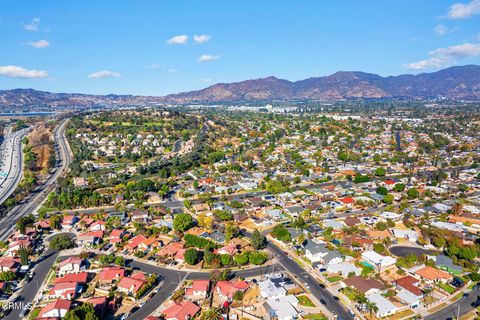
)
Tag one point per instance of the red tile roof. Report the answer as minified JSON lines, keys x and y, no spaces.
{"x":229,"y":288}
{"x":73,"y":277}
{"x":111,"y":273}
{"x":181,"y":310}
{"x":409,"y":283}
{"x":130,"y":284}
{"x":56,"y":305}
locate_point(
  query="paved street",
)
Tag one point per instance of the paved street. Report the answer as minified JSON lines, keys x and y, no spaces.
{"x":450,"y":312}
{"x":28,"y":292}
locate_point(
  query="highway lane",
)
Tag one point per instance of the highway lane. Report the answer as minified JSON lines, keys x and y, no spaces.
{"x":11,"y":157}
{"x":31,"y":203}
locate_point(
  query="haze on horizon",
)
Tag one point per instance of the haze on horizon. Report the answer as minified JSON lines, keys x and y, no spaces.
{"x":157,"y":48}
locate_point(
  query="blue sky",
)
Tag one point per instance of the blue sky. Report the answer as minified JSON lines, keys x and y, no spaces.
{"x":158,"y":47}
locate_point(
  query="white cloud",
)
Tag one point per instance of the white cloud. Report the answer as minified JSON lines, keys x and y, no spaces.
{"x":172,"y":70}
{"x":208,"y":58}
{"x":444,"y":57}
{"x":180,"y":39}
{"x":154,"y":66}
{"x":33,"y":25}
{"x":202,"y":38}
{"x":463,"y":11}
{"x":104,"y":74}
{"x":440,"y":30}
{"x":40,"y":44}
{"x":207,"y":80}
{"x":19,"y":72}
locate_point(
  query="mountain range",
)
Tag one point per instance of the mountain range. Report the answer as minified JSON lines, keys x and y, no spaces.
{"x":458,"y":83}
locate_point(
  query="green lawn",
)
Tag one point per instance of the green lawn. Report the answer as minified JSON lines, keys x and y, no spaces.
{"x":334,"y":279}
{"x":446,"y":287}
{"x":35,"y":312}
{"x":305,"y":301}
{"x":316,"y":316}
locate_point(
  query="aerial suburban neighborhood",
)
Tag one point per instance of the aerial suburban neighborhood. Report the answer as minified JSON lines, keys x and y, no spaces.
{"x":211,"y":160}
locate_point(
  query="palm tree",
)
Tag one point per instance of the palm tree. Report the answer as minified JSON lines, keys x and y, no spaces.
{"x":212,"y":314}
{"x":372,"y":307}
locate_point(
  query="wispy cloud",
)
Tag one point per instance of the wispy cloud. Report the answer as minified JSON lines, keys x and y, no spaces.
{"x":19,"y":72}
{"x":104,"y":74}
{"x":444,"y":57}
{"x":207,"y":80}
{"x":180,"y":39}
{"x":172,"y":70}
{"x":154,"y":66}
{"x":34,"y":25}
{"x":40,"y":44}
{"x":440,"y":30}
{"x":464,"y":10}
{"x":208,"y":58}
{"x":202,"y":38}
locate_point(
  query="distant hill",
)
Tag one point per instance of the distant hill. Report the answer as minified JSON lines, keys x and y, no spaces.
{"x":462,"y":83}
{"x":452,"y":83}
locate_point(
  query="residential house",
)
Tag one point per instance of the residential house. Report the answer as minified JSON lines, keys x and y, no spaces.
{"x":55,"y":309}
{"x":377,"y":260}
{"x":181,"y":311}
{"x":363,"y":285}
{"x":70,"y":265}
{"x":431,"y":275}
{"x":282,"y":308}
{"x":198,"y":290}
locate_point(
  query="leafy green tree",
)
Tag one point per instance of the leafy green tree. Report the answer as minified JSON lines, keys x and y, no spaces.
{"x":84,"y":312}
{"x":379,"y":248}
{"x":258,"y":241}
{"x":281,"y":233}
{"x":382,"y":190}
{"x":7,"y":276}
{"x":241,"y":258}
{"x":61,"y":242}
{"x":388,"y":198}
{"x":399,"y":187}
{"x":225,"y":259}
{"x":192,"y":256}
{"x":257,"y":257}
{"x":381,"y":226}
{"x":412,"y":193}
{"x":182,"y":222}
{"x":380,"y":172}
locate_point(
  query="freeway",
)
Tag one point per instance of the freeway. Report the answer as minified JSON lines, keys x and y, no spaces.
{"x":36,"y":198}
{"x":11,"y":166}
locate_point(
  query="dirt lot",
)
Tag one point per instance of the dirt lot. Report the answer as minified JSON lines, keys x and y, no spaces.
{"x":40,"y":139}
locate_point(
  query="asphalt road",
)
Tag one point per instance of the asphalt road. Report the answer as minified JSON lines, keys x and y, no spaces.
{"x":172,"y":278}
{"x":304,"y":277}
{"x":36,"y":198}
{"x":28,"y":292}
{"x":12,"y":158}
{"x":401,"y":251}
{"x":450,"y":312}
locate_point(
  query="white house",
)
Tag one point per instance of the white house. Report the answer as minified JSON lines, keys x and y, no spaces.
{"x":385,"y":307}
{"x":282,"y":308}
{"x":378,"y":260}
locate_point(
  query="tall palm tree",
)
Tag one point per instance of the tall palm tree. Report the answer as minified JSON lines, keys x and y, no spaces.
{"x":212,"y":314}
{"x":372,"y":307}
